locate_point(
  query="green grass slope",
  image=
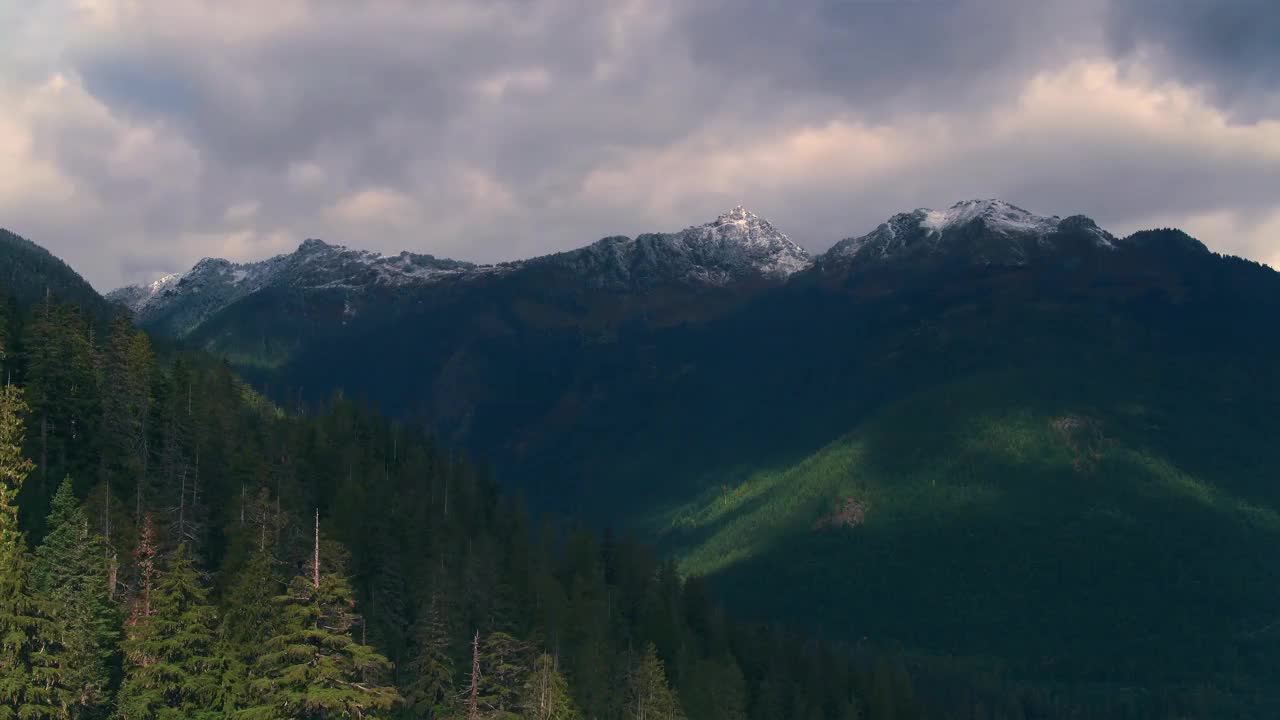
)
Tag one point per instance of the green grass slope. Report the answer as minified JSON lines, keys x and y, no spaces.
{"x":1028,"y":517}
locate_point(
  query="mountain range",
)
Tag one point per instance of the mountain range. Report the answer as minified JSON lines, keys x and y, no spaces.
{"x":977,"y":431}
{"x":738,"y":247}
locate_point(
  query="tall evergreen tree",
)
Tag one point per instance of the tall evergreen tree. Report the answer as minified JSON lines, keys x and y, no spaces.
{"x":126,"y":411}
{"x":4,"y":334}
{"x":546,"y":693}
{"x":170,"y":668}
{"x":429,"y":689}
{"x":22,"y":629}
{"x":69,"y":576}
{"x":648,"y":695}
{"x":502,"y":671}
{"x":172,"y":488}
{"x":62,"y":391}
{"x":249,"y":617}
{"x":312,"y":668}
{"x":587,"y":635}
{"x":716,"y":690}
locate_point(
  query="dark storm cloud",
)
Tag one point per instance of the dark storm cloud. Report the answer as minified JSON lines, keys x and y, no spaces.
{"x":152,"y":134}
{"x":883,"y":55}
{"x":1232,"y":48}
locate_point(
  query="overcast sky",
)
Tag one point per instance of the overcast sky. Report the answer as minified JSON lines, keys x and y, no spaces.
{"x":138,"y":136}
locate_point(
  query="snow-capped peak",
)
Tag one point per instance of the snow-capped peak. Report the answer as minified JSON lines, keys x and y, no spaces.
{"x":736,"y":246}
{"x":741,"y":220}
{"x":987,"y":230}
{"x":136,"y":297}
{"x":738,"y":216}
{"x":164,"y":281}
{"x":995,"y":214}
{"x":311,"y":245}
{"x":185,"y":300}
{"x":770,"y":252}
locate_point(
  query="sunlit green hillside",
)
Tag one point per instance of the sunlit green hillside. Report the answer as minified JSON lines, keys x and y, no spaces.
{"x":999,"y":516}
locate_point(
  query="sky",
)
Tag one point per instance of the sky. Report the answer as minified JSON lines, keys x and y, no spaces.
{"x":138,"y":137}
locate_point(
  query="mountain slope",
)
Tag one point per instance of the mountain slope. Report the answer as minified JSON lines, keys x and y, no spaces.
{"x":937,"y":373}
{"x":28,"y":272}
{"x":737,"y":246}
{"x":1027,"y":516}
{"x":178,"y":304}
{"x":974,"y":232}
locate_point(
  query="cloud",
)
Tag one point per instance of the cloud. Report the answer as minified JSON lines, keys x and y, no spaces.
{"x":1228,"y":48}
{"x":1084,"y":138}
{"x":887,"y":55}
{"x":1253,"y":235}
{"x":147,"y":135}
{"x":242,"y":211}
{"x":371,"y":204}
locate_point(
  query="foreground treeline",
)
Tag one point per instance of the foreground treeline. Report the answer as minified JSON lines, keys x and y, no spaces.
{"x":160,"y":558}
{"x":172,"y":546}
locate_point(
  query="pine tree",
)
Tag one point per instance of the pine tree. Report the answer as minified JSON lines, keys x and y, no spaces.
{"x":502,"y":673}
{"x":4,"y":334}
{"x":61,"y":390}
{"x":170,"y":668}
{"x":648,"y":695}
{"x":22,"y":629}
{"x":249,"y":617}
{"x":388,"y":592}
{"x":172,"y":487}
{"x":587,"y":635}
{"x":716,"y":690}
{"x":69,"y":576}
{"x":312,"y":667}
{"x":126,"y":411}
{"x":546,"y":693}
{"x":429,"y":691}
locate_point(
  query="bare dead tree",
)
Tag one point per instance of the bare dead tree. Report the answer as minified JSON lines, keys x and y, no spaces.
{"x":315,"y":567}
{"x":473,"y":704}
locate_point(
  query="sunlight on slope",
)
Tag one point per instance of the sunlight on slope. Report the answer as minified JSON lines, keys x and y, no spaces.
{"x":1172,"y":481}
{"x":748,"y":518}
{"x":925,"y":462}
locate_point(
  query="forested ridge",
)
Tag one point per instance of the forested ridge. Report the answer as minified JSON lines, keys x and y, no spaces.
{"x":173,"y":545}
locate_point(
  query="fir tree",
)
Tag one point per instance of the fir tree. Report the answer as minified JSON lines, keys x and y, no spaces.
{"x":648,"y":695}
{"x":546,"y":693}
{"x":22,"y":629}
{"x":126,"y":411}
{"x":312,"y":668}
{"x":502,"y":670}
{"x":716,"y":690}
{"x":69,"y":575}
{"x":429,"y":692}
{"x":61,"y":390}
{"x":587,"y":635}
{"x":249,"y":617}
{"x":170,"y":669}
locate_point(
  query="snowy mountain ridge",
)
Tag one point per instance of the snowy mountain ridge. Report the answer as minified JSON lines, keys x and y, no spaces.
{"x":990,"y":231}
{"x":737,"y":245}
{"x":213,"y":283}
